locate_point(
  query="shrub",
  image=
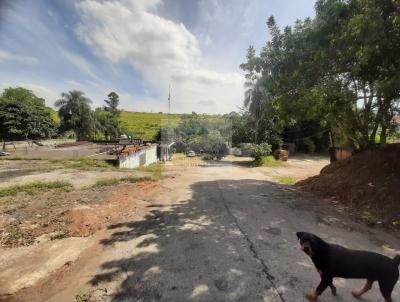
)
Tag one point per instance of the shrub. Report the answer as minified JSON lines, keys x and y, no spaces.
{"x":255,"y":151}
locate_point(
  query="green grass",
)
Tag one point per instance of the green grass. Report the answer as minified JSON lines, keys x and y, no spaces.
{"x":116,"y":181}
{"x":107,"y":182}
{"x":147,"y":125}
{"x":86,"y":163}
{"x":266,"y":161}
{"x":270,"y":161}
{"x":21,"y":158}
{"x":151,"y":168}
{"x":133,"y":180}
{"x":156,"y":169}
{"x":33,"y":188}
{"x":287,"y":180}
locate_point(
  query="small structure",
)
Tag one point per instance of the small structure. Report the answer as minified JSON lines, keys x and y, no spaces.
{"x":164,"y":151}
{"x":137,"y":156}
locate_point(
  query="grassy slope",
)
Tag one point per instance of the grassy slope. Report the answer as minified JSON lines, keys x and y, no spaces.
{"x":146,"y":125}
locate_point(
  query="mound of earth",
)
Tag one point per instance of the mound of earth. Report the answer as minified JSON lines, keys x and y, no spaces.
{"x":367,"y":183}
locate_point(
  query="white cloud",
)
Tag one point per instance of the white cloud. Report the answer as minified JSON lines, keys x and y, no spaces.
{"x":73,"y":83}
{"x":161,"y":50}
{"x":6,"y":56}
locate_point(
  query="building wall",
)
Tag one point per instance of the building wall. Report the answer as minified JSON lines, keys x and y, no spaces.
{"x":141,"y":158}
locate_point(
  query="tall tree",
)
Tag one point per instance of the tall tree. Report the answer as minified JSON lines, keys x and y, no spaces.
{"x":341,"y":68}
{"x":75,"y":113}
{"x":24,"y":116}
{"x":112,"y":103}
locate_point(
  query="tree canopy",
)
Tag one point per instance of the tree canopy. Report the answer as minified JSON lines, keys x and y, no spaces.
{"x":24,"y":116}
{"x":75,"y":113}
{"x":341,"y":68}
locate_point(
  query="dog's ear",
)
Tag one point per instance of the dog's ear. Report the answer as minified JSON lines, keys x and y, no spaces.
{"x":299,"y":235}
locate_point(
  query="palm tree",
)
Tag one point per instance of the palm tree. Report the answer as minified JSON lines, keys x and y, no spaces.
{"x":74,"y":111}
{"x":254,"y":100}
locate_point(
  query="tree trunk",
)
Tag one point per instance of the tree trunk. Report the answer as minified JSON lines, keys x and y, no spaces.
{"x":383,"y":137}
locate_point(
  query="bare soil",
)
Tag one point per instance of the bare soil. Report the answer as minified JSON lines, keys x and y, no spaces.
{"x":366,"y":185}
{"x":24,"y":218}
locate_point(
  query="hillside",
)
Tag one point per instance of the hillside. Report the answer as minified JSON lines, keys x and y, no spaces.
{"x":367,"y":185}
{"x":146,"y":125}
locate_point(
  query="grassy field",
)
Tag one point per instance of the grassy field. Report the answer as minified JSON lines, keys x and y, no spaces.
{"x":146,"y":125}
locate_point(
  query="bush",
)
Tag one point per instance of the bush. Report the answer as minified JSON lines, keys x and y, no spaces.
{"x":255,"y":151}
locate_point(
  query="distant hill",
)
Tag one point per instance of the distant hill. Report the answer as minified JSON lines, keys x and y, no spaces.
{"x":146,"y":125}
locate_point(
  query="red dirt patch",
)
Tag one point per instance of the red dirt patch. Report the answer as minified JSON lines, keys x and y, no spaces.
{"x":24,"y":218}
{"x":85,"y":221}
{"x":367,"y":183}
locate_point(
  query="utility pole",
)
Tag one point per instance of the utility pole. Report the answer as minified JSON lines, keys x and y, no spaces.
{"x":169,"y":99}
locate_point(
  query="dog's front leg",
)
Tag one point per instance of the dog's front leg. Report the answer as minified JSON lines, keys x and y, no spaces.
{"x":325,"y":282}
{"x":333,"y":288}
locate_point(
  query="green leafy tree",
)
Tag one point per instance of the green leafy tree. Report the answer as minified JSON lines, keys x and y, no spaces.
{"x":340,"y":68}
{"x":75,"y":113}
{"x":105,"y":124}
{"x":112,"y":103}
{"x":24,"y":116}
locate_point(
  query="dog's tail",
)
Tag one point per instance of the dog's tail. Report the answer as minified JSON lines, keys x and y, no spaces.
{"x":397,"y":259}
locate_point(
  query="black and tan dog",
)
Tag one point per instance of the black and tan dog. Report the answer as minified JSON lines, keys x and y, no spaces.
{"x":333,"y":260}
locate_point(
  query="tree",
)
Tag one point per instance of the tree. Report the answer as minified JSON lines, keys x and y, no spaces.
{"x":24,"y":116}
{"x":105,"y":125}
{"x":340,"y":68}
{"x":112,"y":103}
{"x":110,"y":119}
{"x":75,"y":113}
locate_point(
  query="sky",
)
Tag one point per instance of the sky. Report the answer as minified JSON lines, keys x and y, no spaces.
{"x":138,"y":48}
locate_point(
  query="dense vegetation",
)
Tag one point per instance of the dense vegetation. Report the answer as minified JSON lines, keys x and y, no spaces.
{"x":340,"y":69}
{"x":23,"y":115}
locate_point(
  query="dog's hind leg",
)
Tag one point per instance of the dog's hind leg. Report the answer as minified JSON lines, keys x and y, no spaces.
{"x":386,"y":286}
{"x":367,"y":287}
{"x":333,"y":289}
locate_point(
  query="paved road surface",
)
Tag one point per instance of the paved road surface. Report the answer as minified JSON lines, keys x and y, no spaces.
{"x":219,"y":233}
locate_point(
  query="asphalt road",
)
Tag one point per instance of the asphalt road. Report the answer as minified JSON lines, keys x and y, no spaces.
{"x":222,"y":233}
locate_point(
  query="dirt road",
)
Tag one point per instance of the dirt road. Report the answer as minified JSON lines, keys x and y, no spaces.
{"x":215,"y":233}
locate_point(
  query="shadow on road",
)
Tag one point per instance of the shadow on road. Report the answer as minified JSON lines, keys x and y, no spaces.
{"x":231,"y":240}
{"x":191,"y":250}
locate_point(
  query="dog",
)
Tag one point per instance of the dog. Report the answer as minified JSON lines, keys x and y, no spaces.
{"x":333,"y":260}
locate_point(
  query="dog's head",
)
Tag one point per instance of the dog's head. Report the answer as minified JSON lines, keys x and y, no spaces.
{"x":310,"y":243}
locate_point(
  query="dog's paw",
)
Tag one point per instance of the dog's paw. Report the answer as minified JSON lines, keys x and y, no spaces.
{"x":312,"y":296}
{"x":356,"y":294}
